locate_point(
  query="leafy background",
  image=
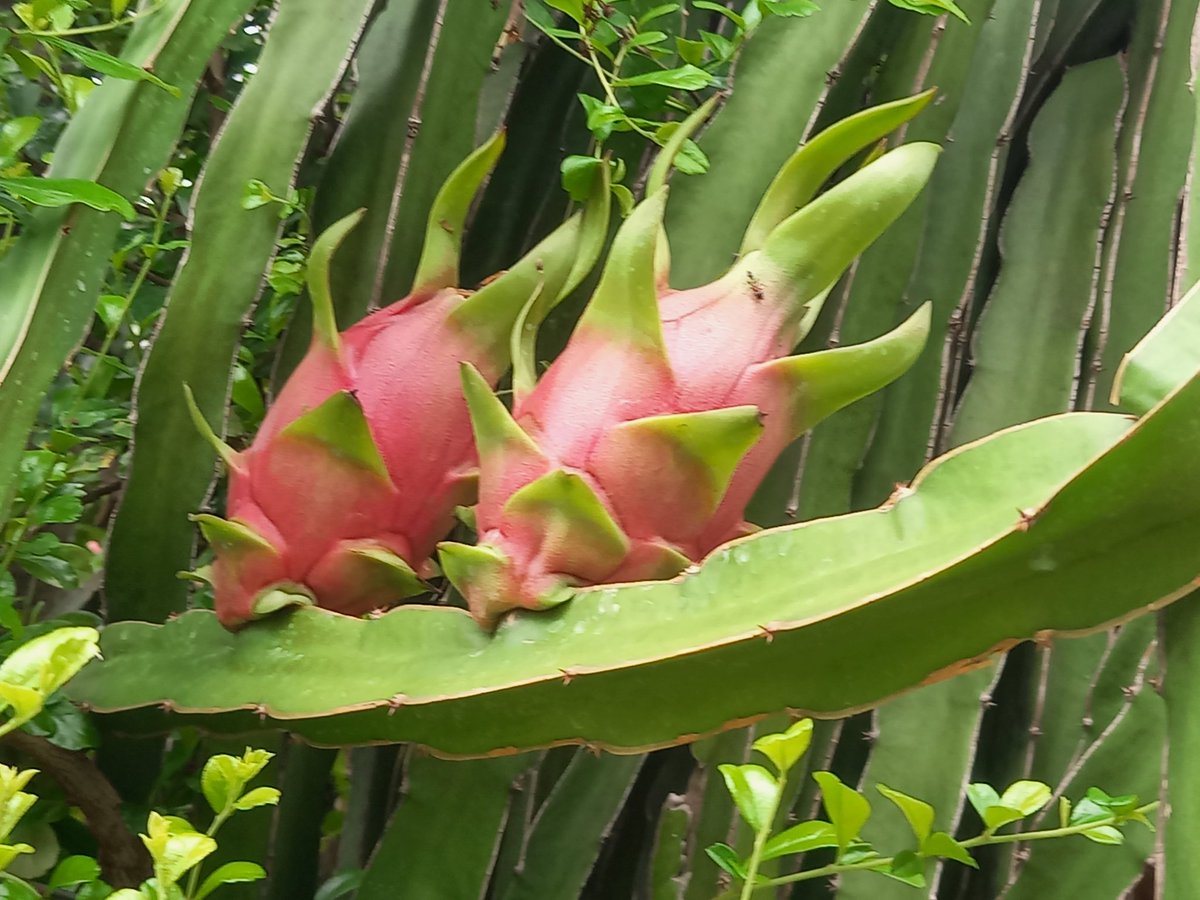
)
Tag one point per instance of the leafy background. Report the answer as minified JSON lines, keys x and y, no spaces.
{"x":1056,"y":231}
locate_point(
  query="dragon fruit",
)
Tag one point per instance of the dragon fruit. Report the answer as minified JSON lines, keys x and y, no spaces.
{"x":361,"y":460}
{"x":637,"y":452}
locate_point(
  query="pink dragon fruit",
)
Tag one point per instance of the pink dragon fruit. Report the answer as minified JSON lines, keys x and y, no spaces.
{"x":638,"y":450}
{"x":362,"y":459}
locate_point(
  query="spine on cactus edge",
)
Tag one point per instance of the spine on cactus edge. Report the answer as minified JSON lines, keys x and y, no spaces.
{"x":361,"y":460}
{"x":638,"y":450}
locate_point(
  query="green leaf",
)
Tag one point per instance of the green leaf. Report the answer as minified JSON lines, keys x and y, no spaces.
{"x":259,"y":796}
{"x":786,"y":748}
{"x":15,"y":134}
{"x":755,"y":791}
{"x":1104,"y":834}
{"x":729,"y":14}
{"x":573,"y":8}
{"x":71,"y":871}
{"x":109,"y":65}
{"x":624,"y":198}
{"x":224,"y":777}
{"x":230,"y":873}
{"x":49,"y":661}
{"x":847,"y":809}
{"x":340,"y":884}
{"x":929,"y":7}
{"x":907,"y":867}
{"x":685,"y":78}
{"x":175,"y":847}
{"x":601,"y":119}
{"x":982,"y":797}
{"x":256,"y":194}
{"x":727,"y":858}
{"x":943,"y":845}
{"x":647,"y":39}
{"x":25,"y":702}
{"x":64,"y":192}
{"x":657,"y":12}
{"x":918,"y":813}
{"x":579,"y":174}
{"x":691,"y":52}
{"x":814,"y":835}
{"x":788,"y":8}
{"x":14,"y":888}
{"x":1026,"y":796}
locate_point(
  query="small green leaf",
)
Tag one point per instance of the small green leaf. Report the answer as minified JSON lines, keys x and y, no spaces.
{"x":858,"y":851}
{"x":907,"y":867}
{"x":1026,"y":796}
{"x":256,"y":194}
{"x":118,"y":8}
{"x":847,"y":809}
{"x":647,"y":39}
{"x":170,"y":180}
{"x":685,"y":78}
{"x":927,"y":7}
{"x":601,"y":120}
{"x":573,"y":8}
{"x":733,"y":17}
{"x":788,"y":8}
{"x":727,"y":858}
{"x":224,"y":777}
{"x":64,"y":192}
{"x":259,"y":796}
{"x":71,"y":871}
{"x":245,"y":392}
{"x":814,"y":835}
{"x":722,"y":47}
{"x":918,"y":813}
{"x":340,"y":884}
{"x":785,"y":748}
{"x":657,"y":12}
{"x":624,"y":198}
{"x":1119,"y":806}
{"x":175,"y":847}
{"x":755,"y":791}
{"x":14,"y":888}
{"x":230,"y":873}
{"x":15,"y":134}
{"x":25,"y":702}
{"x":50,"y":660}
{"x":691,"y":52}
{"x":109,"y":65}
{"x":943,"y":845}
{"x":1104,"y":834}
{"x":578,"y":175}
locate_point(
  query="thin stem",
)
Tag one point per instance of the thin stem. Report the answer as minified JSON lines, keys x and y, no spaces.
{"x":982,"y":840}
{"x":606,"y":85}
{"x":760,"y":841}
{"x":160,"y":218}
{"x":94,"y":29}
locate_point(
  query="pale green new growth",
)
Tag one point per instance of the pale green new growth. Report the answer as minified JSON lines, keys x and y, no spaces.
{"x":756,"y":792}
